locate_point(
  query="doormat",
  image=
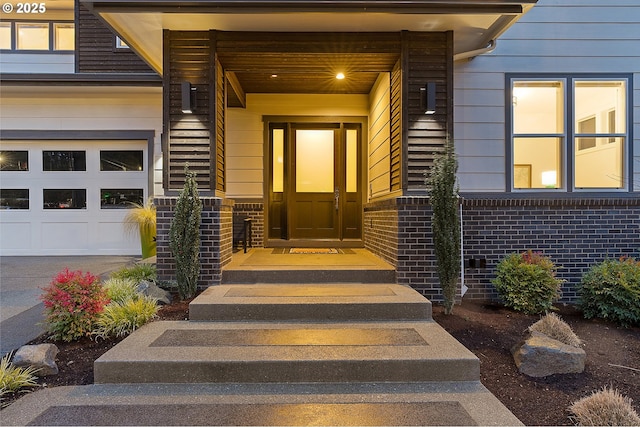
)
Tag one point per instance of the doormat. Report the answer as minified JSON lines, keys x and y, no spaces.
{"x":310,"y":251}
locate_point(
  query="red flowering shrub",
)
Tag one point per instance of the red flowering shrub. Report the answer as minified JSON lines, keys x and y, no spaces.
{"x":72,"y":303}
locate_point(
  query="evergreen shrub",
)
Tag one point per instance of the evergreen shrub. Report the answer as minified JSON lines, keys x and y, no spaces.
{"x":526,"y":282}
{"x":611,"y":290}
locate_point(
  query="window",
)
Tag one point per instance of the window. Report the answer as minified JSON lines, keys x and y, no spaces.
{"x":63,"y":36}
{"x":120,"y":44}
{"x":14,"y":161}
{"x":32,"y":35}
{"x":5,"y":35}
{"x":65,"y":199}
{"x":39,"y":36}
{"x":14,"y":199}
{"x":127,"y":160}
{"x":569,"y":133}
{"x":120,"y":198}
{"x":64,"y":161}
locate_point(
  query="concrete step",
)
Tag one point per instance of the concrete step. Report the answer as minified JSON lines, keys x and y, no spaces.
{"x":309,"y":302}
{"x":255,"y":352}
{"x":460,"y":403}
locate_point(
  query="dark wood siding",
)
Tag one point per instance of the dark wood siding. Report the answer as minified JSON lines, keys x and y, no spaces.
{"x":188,"y":59}
{"x":426,"y":57}
{"x":95,"y":48}
{"x":395,"y":164}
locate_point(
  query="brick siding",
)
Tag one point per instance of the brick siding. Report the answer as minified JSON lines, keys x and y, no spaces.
{"x":255,"y":211}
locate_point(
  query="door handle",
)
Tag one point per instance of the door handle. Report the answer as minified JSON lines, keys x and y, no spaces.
{"x":336,"y":198}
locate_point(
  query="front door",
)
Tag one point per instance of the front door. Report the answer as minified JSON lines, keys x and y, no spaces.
{"x":315,"y":190}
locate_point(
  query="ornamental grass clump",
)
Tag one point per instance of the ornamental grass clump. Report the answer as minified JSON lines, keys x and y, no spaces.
{"x":611,"y":290}
{"x":72,"y":304}
{"x":141,"y":219}
{"x":526,"y":282}
{"x":554,"y":327}
{"x":14,"y":378}
{"x":120,"y":319}
{"x":120,"y":290}
{"x":606,"y":407}
{"x":137,"y":273}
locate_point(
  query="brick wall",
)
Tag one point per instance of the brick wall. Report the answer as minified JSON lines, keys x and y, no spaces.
{"x":215,"y":238}
{"x":574,"y":233}
{"x":255,"y":211}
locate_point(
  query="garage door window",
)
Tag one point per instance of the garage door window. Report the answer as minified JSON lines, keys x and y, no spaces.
{"x":64,"y":161}
{"x":14,"y":198}
{"x":120,"y":198}
{"x":65,"y":199}
{"x":14,"y":161}
{"x":129,"y":160}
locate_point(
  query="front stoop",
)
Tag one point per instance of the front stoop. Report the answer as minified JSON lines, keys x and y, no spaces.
{"x":306,"y":354}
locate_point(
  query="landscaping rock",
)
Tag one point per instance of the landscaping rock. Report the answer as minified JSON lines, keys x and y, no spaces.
{"x":540,"y":356}
{"x":41,"y":357}
{"x":151,"y":290}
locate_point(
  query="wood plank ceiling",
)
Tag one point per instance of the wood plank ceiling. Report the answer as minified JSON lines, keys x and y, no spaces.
{"x":305,"y":62}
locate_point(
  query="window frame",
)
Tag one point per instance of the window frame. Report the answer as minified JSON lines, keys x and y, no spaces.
{"x":51,"y":24}
{"x":568,"y":147}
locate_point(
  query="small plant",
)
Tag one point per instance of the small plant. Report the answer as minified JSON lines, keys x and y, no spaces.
{"x":120,"y":290}
{"x":137,"y":273}
{"x":119,"y":319}
{"x":606,"y":407}
{"x":445,"y":220}
{"x":611,"y":290}
{"x":72,"y":304}
{"x":142,"y":219}
{"x":554,"y":327}
{"x":184,"y":237}
{"x":13,"y":378}
{"x":527,"y":283}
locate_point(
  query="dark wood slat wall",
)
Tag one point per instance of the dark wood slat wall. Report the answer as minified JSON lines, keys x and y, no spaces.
{"x":95,"y":48}
{"x":395,"y":166}
{"x":188,"y":59}
{"x":427,"y":57}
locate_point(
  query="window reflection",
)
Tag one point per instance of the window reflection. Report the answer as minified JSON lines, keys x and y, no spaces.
{"x":14,"y":160}
{"x":14,"y":198}
{"x":65,"y":198}
{"x":64,"y":161}
{"x":120,"y":198}
{"x":121,"y":160}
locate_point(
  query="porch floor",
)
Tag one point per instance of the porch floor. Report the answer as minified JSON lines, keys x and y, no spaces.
{"x":271,"y":265}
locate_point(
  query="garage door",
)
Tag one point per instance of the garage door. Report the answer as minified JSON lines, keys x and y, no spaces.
{"x":70,"y":198}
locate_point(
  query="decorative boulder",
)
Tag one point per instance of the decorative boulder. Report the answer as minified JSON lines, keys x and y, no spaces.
{"x":539,"y":356}
{"x":153,"y":291}
{"x":41,"y":357}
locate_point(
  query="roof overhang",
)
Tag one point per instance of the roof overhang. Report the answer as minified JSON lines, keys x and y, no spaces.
{"x":140,"y":23}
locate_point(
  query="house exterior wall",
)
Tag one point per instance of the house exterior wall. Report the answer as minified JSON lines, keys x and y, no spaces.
{"x":380,"y":138}
{"x":21,"y":62}
{"x":556,"y":36}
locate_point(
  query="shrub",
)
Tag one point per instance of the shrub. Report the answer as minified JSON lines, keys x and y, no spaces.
{"x":611,"y":290}
{"x":137,"y":273}
{"x":184,"y":236}
{"x":606,"y":407}
{"x":445,"y":220}
{"x":119,"y":319}
{"x":120,"y":290}
{"x":526,"y":282}
{"x":554,"y":327}
{"x":142,"y":219}
{"x":72,"y":304}
{"x":13,"y":378}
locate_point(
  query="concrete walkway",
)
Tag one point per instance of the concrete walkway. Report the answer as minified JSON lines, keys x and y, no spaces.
{"x":21,"y":280}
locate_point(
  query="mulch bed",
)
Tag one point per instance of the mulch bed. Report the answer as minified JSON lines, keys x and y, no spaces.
{"x":487,"y":329}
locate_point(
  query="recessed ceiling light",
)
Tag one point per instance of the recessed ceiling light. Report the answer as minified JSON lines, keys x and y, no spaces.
{"x":340,"y":76}
{"x":273,"y":76}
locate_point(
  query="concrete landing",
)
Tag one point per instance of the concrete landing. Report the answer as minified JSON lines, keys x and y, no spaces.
{"x":309,"y":302}
{"x":371,"y":404}
{"x":256,"y":352}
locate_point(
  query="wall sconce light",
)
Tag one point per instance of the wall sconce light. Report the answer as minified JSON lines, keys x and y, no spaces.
{"x":188,"y":98}
{"x":549,"y":179}
{"x":428,"y":98}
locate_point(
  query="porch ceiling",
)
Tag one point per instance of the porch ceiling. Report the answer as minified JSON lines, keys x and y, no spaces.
{"x":141,"y":22}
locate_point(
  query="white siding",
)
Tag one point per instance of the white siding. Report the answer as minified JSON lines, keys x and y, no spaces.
{"x":86,"y":108}
{"x":245,"y":132}
{"x":556,"y":36}
{"x":20,"y":62}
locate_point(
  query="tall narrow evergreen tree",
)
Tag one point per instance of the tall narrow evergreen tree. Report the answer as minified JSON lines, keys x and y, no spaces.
{"x":445,"y":221}
{"x":184,"y":236}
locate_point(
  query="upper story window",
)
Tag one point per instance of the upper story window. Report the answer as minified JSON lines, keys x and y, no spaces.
{"x":120,"y":44}
{"x":569,"y":133}
{"x":37,"y":36}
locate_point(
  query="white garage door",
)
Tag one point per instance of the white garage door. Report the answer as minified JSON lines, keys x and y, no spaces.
{"x":70,"y":198}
